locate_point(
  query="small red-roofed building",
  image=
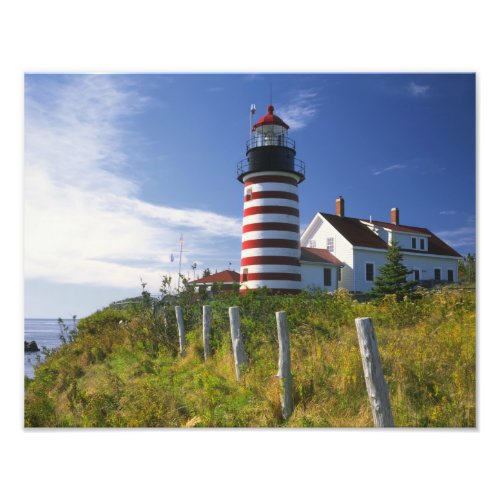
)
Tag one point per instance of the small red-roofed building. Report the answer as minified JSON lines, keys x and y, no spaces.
{"x":319,"y":268}
{"x":224,"y":280}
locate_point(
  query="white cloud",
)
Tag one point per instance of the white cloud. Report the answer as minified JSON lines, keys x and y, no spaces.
{"x":84,"y":219}
{"x":252,"y":77}
{"x":397,"y":166}
{"x":418,"y":90}
{"x":460,"y":237}
{"x":300,"y":110}
{"x":447,"y":212}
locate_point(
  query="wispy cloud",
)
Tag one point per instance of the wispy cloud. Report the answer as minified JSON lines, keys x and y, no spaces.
{"x":460,"y":237}
{"x":397,"y":166}
{"x":300,"y":109}
{"x":447,"y":212}
{"x":418,"y":90}
{"x":252,"y":77}
{"x":84,"y":219}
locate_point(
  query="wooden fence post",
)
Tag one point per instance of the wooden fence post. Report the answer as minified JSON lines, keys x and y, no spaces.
{"x":180,"y":327}
{"x":238,"y":347}
{"x":376,"y":386}
{"x":284,"y":365}
{"x":207,"y":319}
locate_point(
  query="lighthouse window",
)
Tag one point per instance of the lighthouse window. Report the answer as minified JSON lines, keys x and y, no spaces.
{"x":244,"y":275}
{"x":248,"y":194}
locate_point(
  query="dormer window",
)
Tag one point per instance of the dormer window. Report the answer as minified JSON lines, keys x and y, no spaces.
{"x":414,"y":243}
{"x":422,"y":244}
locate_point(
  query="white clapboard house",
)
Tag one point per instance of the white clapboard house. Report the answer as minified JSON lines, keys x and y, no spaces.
{"x":361,"y":246}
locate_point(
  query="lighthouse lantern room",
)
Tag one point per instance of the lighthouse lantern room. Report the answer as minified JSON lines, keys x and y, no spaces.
{"x":270,"y":249}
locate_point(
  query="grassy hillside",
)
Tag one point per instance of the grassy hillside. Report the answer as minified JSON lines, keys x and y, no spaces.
{"x":123,"y":369}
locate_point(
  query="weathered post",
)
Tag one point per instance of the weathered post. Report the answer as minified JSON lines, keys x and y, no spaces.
{"x":180,"y":327}
{"x":284,"y":365}
{"x":376,"y":386}
{"x":207,"y":319}
{"x":237,"y":341}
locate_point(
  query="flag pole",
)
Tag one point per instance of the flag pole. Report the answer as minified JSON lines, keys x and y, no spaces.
{"x":252,"y":112}
{"x":181,"y":241}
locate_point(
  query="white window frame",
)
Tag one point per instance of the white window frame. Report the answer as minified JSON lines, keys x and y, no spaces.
{"x":421,"y":244}
{"x":332,"y":240}
{"x":339,"y":273}
{"x":312,"y":243}
{"x":453,"y":271}
{"x":419,"y":274}
{"x":414,"y":239}
{"x":373,"y":264}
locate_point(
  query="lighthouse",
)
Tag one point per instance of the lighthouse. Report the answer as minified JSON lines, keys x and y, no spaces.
{"x":270,"y":173}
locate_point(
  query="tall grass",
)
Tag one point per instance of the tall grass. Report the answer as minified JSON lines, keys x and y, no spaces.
{"x":123,"y":367}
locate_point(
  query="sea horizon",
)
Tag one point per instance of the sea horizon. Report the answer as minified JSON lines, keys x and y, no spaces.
{"x":46,"y":332}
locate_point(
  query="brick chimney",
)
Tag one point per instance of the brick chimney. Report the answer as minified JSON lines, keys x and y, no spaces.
{"x":339,"y":206}
{"x":395,"y":216}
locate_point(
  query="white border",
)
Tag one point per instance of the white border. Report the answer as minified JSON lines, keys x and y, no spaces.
{"x":192,"y":36}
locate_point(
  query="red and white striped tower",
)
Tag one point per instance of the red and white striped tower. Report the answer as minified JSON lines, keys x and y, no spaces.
{"x":270,"y":172}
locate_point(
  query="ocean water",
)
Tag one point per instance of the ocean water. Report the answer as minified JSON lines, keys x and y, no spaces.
{"x":46,"y":333}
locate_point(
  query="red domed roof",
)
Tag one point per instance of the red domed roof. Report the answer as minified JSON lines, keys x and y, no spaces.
{"x":270,"y":119}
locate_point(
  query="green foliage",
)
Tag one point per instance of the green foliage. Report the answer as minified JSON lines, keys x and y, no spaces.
{"x":123,"y":369}
{"x":392,"y":276}
{"x":467,"y":269}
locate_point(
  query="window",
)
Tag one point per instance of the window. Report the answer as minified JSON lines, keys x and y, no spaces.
{"x":327,"y":276}
{"x":339,"y":273}
{"x":369,"y":271}
{"x":422,"y":244}
{"x":450,"y":275}
{"x":329,"y":244}
{"x":312,"y":244}
{"x":437,"y":274}
{"x":414,"y":243}
{"x":244,"y":275}
{"x":416,"y":274}
{"x":248,"y":194}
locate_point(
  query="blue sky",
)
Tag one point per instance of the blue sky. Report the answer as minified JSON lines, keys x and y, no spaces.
{"x":117,"y":167}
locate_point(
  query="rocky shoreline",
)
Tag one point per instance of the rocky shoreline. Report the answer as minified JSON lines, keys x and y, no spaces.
{"x":31,"y":346}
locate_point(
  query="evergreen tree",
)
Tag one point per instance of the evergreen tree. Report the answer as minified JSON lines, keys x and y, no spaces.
{"x":392,"y":276}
